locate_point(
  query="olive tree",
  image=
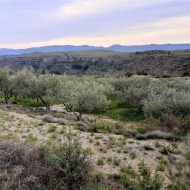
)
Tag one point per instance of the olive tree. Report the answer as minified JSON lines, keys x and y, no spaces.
{"x":133,"y":90}
{"x":81,"y":96}
{"x":7,"y":84}
{"x":46,"y":88}
{"x":165,"y":99}
{"x":43,"y":87}
{"x":25,"y":83}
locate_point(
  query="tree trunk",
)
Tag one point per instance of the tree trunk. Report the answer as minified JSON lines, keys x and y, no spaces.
{"x":79,"y":117}
{"x":69,"y":108}
{"x":37,"y":100}
{"x":16,"y":97}
{"x":48,"y":111}
{"x":6,"y":98}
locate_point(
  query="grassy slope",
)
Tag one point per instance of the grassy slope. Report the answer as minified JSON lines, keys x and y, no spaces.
{"x":118,"y":110}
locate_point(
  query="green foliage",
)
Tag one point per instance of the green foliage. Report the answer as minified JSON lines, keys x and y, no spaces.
{"x":100,"y":162}
{"x":116,"y":162}
{"x":168,"y":96}
{"x":104,"y":126}
{"x":31,"y":139}
{"x":28,"y":102}
{"x":51,"y":129}
{"x":143,"y":180}
{"x":141,"y":130}
{"x":7,"y":84}
{"x":166,"y":150}
{"x":89,"y":151}
{"x":162,"y":165}
{"x":71,"y":163}
{"x":83,"y":96}
{"x":124,"y":99}
{"x":119,"y":110}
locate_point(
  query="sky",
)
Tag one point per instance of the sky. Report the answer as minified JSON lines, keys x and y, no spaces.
{"x":33,"y":23}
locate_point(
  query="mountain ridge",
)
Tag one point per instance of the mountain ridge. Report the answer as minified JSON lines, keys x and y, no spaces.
{"x":115,"y":47}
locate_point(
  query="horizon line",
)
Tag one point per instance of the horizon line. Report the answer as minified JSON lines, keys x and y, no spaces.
{"x":97,"y":46}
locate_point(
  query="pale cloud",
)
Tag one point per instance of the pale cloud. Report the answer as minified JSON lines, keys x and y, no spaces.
{"x":164,"y":31}
{"x":94,"y":22}
{"x":80,"y":8}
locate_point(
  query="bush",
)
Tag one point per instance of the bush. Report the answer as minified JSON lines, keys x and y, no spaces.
{"x":179,"y":170}
{"x":162,"y":165}
{"x":175,"y":124}
{"x":107,"y":127}
{"x":166,"y":150}
{"x":100,"y":162}
{"x":31,"y":139}
{"x":143,"y":180}
{"x":23,"y":168}
{"x":71,"y":164}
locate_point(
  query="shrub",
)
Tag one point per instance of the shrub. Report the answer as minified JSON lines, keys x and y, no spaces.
{"x":141,"y":130}
{"x":71,"y":163}
{"x":166,"y":150}
{"x":89,"y":151}
{"x":116,"y":162}
{"x":162,"y":165}
{"x":143,"y":180}
{"x":107,"y":127}
{"x":51,"y":129}
{"x":179,"y":170}
{"x":109,"y":160}
{"x":99,"y":176}
{"x":31,"y":139}
{"x":176,"y":124}
{"x":100,"y":162}
{"x":23,"y":168}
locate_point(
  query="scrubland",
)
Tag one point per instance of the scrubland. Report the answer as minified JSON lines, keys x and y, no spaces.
{"x":87,"y":132}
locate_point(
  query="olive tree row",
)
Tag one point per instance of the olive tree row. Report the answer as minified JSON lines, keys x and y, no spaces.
{"x":76,"y":94}
{"x":150,"y":95}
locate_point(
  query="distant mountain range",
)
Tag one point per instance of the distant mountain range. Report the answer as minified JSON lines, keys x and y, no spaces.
{"x":117,"y":48}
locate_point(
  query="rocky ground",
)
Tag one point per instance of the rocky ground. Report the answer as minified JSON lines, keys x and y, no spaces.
{"x":108,"y":152}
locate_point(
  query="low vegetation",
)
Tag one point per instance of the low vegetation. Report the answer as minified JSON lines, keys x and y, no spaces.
{"x":93,"y":132}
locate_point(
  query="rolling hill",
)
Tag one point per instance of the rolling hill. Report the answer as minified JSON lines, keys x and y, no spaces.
{"x":156,"y":63}
{"x":117,"y":48}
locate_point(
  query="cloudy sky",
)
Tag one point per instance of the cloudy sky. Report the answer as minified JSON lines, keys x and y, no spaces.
{"x":27,"y":23}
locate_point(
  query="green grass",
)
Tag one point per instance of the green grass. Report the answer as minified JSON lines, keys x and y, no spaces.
{"x":3,"y":115}
{"x":29,"y":102}
{"x":118,"y":110}
{"x":31,"y":139}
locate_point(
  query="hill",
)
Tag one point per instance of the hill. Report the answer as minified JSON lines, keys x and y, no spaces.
{"x":117,"y":48}
{"x":156,"y":63}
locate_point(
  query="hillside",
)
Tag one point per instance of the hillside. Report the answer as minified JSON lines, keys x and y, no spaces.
{"x":157,"y":63}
